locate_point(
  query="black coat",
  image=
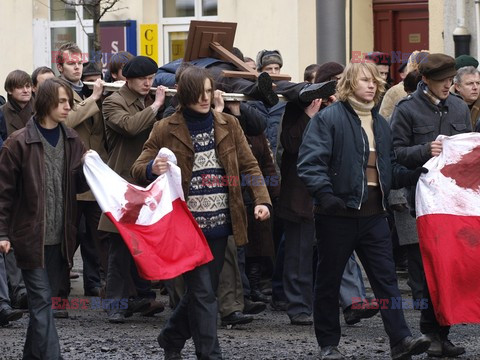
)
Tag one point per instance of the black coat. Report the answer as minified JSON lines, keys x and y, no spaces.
{"x":295,"y":202}
{"x":416,"y":122}
{"x":334,"y":154}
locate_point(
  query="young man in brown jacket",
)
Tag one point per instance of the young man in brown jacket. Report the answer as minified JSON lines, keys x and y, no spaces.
{"x":41,"y":172}
{"x":208,"y":146}
{"x":129,"y":115}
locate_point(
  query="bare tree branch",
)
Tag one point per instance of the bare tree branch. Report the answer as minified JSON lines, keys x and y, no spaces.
{"x":110,"y":4}
{"x":96,"y":9}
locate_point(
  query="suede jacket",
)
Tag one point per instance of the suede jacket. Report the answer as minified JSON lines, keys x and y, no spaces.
{"x":22,"y":194}
{"x":233,"y":153}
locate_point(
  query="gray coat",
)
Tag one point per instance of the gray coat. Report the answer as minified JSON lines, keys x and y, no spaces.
{"x":416,"y":122}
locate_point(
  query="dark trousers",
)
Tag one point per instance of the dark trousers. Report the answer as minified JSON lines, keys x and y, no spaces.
{"x":241,"y":267}
{"x":370,"y":238}
{"x":278,"y":293}
{"x":196,"y":315}
{"x":89,"y":242}
{"x":42,"y":338}
{"x":121,"y":271}
{"x":297,"y":268}
{"x":14,"y":277}
{"x":57,"y":271}
{"x":416,"y":275}
{"x":428,"y":320}
{"x":230,"y":289}
{"x":4,"y":296}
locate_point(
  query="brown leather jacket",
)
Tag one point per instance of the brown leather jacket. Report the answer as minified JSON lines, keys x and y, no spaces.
{"x":233,"y":153}
{"x":22,"y":191}
{"x":15,"y":118}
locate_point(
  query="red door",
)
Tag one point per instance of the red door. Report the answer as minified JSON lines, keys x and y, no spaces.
{"x":400,"y":27}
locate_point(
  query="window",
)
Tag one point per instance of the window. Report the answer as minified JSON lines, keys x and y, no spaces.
{"x":176,"y":16}
{"x":178,"y":8}
{"x":69,"y":23}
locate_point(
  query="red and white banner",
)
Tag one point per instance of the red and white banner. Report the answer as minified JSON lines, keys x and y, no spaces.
{"x":448,"y":221}
{"x":155,"y":223}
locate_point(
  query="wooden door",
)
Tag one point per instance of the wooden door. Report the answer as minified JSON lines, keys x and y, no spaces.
{"x":400,"y":27}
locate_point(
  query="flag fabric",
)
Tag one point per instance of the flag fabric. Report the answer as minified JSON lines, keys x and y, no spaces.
{"x":448,"y":222}
{"x":155,"y":223}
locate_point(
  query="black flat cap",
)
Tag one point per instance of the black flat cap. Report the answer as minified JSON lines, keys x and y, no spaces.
{"x":139,"y":66}
{"x":437,"y":67}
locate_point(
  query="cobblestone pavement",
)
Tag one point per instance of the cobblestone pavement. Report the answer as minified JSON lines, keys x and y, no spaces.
{"x":87,"y":335}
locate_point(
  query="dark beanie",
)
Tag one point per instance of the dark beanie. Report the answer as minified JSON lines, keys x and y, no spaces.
{"x":326,"y":71}
{"x":379,"y":58}
{"x":267,"y":57}
{"x":91,"y":68}
{"x":139,"y":66}
{"x":465,"y":60}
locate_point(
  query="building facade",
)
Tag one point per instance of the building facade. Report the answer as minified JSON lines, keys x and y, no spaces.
{"x":32,"y":29}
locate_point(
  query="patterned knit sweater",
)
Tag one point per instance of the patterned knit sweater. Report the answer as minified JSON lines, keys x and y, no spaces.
{"x":208,"y":194}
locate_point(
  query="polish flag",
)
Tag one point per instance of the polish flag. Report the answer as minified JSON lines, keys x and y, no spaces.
{"x":155,"y":223}
{"x":448,"y":222}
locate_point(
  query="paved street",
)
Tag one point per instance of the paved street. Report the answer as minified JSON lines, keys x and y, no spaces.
{"x":87,"y":335}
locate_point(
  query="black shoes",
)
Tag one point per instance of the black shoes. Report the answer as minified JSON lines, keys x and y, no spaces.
{"x":301,"y":319}
{"x":155,"y":307}
{"x":443,"y":348}
{"x":257,"y":295}
{"x":409,"y":346}
{"x":330,"y":353}
{"x":7,"y":315}
{"x":278,"y":305}
{"x":21,"y":301}
{"x":265,"y":90}
{"x":169,"y":353}
{"x":236,"y":318}
{"x":96,"y":291}
{"x":60,"y":314}
{"x":116,"y":318}
{"x":253,"y":307}
{"x":137,"y":306}
{"x":317,"y":91}
{"x":364,"y":311}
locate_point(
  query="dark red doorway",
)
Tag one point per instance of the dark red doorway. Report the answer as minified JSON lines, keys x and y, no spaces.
{"x":400,"y":27}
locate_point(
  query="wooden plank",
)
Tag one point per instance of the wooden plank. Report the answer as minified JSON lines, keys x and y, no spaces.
{"x":115,"y":86}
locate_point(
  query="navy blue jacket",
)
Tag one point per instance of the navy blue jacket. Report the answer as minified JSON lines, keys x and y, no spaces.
{"x":166,"y":74}
{"x":334,"y":153}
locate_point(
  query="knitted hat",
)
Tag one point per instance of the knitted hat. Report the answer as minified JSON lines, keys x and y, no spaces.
{"x":326,"y":71}
{"x":139,"y":66}
{"x":267,"y":57}
{"x":437,"y":67}
{"x":465,"y":60}
{"x":91,"y":68}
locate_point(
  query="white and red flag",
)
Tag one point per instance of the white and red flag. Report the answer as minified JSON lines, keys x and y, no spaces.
{"x":448,"y":222}
{"x":155,"y":223}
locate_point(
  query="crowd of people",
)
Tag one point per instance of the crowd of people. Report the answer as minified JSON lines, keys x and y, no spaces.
{"x":328,"y":157}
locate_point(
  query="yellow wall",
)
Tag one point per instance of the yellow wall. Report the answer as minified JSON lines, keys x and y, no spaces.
{"x":436,"y":25}
{"x":362,"y":26}
{"x":273,"y":25}
{"x":16,"y":38}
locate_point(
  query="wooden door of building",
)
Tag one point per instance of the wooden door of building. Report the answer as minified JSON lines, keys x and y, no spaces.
{"x":400,"y":27}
